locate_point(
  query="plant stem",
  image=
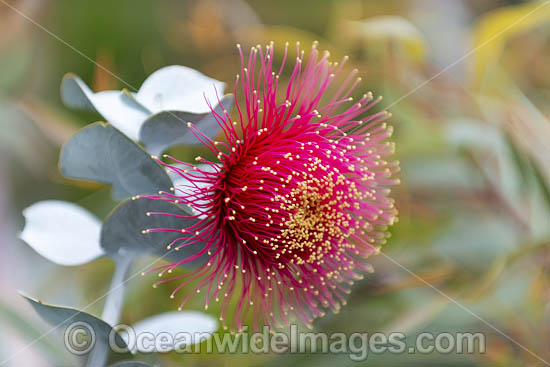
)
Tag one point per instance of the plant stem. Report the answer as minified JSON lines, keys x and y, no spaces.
{"x":113,"y":305}
{"x":115,"y":297}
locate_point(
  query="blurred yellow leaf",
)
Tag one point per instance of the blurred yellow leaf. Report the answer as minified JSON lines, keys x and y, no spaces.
{"x":496,"y":27}
{"x":394,"y":31}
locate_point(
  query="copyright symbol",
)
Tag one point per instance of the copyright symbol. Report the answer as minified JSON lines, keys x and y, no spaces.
{"x":79,"y":338}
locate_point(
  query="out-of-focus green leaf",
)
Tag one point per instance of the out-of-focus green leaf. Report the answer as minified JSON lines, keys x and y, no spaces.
{"x":473,"y":243}
{"x":415,"y":135}
{"x":123,"y":229}
{"x":523,"y":154}
{"x":493,"y":156}
{"x":101,"y":153}
{"x":514,"y":287}
{"x":15,"y":58}
{"x":417,"y":317}
{"x":494,"y":28}
{"x":497,"y":269}
{"x":64,"y":318}
{"x":445,"y":173}
{"x":168,"y":128}
{"x":505,"y":105}
{"x":17,"y":133}
{"x":535,"y":196}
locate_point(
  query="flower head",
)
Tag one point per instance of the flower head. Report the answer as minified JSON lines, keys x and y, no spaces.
{"x":297,"y":198}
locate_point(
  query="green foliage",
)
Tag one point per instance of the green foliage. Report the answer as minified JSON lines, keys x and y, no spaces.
{"x":123,"y":229}
{"x":62,"y":318}
{"x":169,"y":128}
{"x":99,"y":152}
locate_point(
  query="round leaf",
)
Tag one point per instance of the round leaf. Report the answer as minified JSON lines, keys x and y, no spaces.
{"x":168,"y":128}
{"x":101,"y":153}
{"x":123,"y":228}
{"x":179,"y":88}
{"x":62,"y":232}
{"x":194,"y":324}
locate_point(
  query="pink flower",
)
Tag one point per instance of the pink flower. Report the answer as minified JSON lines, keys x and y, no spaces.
{"x":298,"y":199}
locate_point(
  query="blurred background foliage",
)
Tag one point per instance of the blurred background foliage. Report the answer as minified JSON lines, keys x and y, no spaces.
{"x":474,"y":146}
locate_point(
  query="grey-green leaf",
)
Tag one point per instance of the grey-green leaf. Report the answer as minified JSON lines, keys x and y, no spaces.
{"x":123,"y":228}
{"x":168,"y":128}
{"x":66,"y":319}
{"x":75,"y":93}
{"x":99,"y":152}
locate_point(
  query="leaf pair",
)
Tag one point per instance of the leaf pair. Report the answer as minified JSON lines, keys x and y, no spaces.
{"x":157,"y":115}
